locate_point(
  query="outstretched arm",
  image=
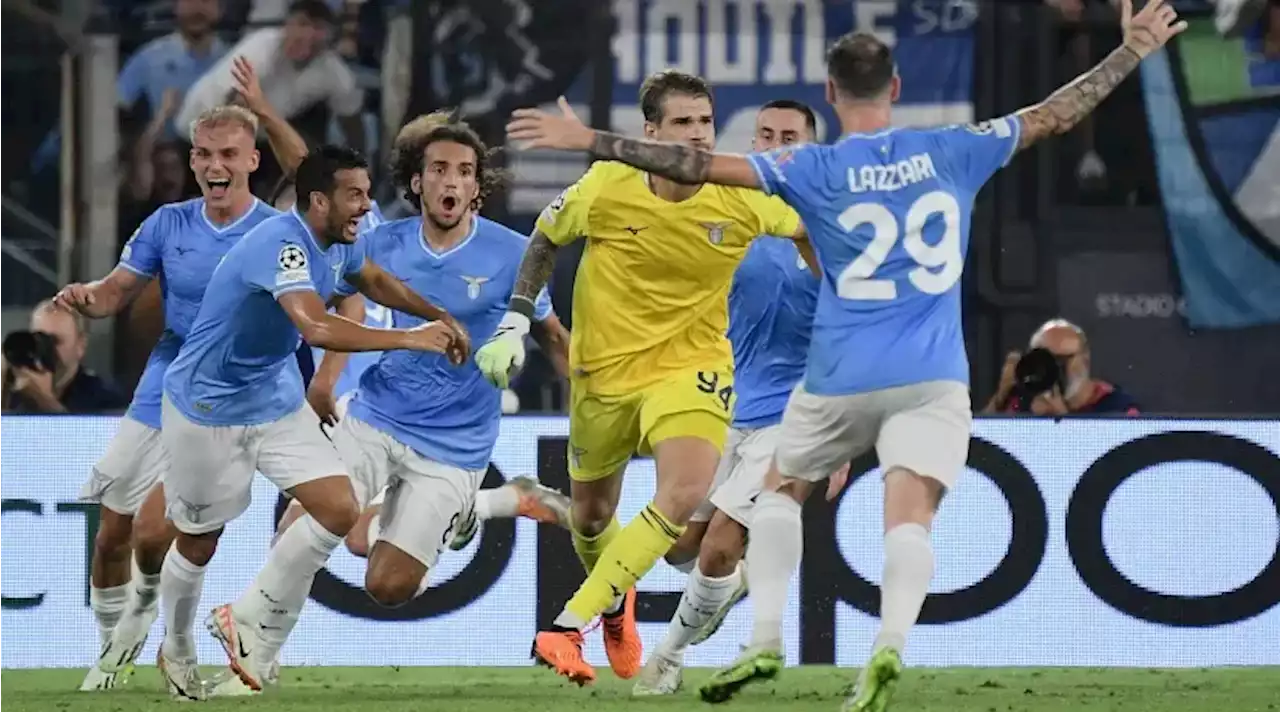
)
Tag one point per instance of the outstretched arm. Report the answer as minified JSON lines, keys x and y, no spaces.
{"x":1144,"y":33}
{"x":683,"y":164}
{"x":678,"y":162}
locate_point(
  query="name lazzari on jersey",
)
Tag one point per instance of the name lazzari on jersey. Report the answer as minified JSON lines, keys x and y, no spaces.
{"x":917,"y":168}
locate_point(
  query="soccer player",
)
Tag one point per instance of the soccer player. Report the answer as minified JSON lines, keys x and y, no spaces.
{"x":417,"y":426}
{"x":233,"y":404}
{"x":771,"y":307}
{"x":180,"y":244}
{"x":339,"y":373}
{"x":652,"y":369}
{"x":888,"y":210}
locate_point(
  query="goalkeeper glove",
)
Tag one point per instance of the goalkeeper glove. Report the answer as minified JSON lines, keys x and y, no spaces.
{"x":502,"y":355}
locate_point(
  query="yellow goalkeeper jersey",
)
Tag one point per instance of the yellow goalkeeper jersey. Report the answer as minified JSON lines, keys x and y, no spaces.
{"x":651,"y":296}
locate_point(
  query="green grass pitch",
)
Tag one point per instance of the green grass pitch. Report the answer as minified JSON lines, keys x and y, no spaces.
{"x":802,"y":689}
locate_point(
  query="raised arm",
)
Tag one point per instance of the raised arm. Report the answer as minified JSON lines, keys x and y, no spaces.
{"x":1147,"y":31}
{"x":286,"y":143}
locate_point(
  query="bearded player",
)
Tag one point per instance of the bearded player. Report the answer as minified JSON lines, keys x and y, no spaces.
{"x":522,"y":496}
{"x":890,"y":212}
{"x":652,"y":371}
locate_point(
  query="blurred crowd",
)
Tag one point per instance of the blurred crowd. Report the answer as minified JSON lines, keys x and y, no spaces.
{"x":338,"y":70}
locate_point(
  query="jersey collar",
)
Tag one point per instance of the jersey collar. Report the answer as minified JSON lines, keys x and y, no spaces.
{"x":307,"y":229}
{"x":422,"y":240}
{"x":204,"y":215}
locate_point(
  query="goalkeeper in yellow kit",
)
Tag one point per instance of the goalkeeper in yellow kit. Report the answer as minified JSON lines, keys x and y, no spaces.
{"x":652,"y":370}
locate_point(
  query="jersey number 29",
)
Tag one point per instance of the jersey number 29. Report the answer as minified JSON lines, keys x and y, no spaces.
{"x":938,"y":266}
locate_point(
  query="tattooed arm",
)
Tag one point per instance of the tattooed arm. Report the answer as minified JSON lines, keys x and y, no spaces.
{"x":1069,"y":105}
{"x":535,"y":269}
{"x":675,"y":161}
{"x":1144,"y":33}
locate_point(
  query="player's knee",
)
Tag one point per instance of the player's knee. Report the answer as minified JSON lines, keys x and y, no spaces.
{"x":722,"y":548}
{"x":338,"y":515}
{"x":590,"y":517}
{"x":910,"y":498}
{"x":358,"y":539}
{"x":391,"y":591}
{"x":393,"y":578}
{"x":112,"y":542}
{"x":152,"y":536}
{"x":197,"y":548}
{"x":685,"y":550}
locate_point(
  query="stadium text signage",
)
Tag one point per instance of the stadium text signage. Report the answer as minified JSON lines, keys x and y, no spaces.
{"x":1059,"y":487}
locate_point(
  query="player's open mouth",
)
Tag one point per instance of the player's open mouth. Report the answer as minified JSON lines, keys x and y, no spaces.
{"x":218,"y":187}
{"x":449,"y":202}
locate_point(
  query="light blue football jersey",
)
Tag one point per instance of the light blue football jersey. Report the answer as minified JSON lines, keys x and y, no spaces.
{"x":888,"y":215}
{"x":446,"y":413}
{"x":178,"y":245}
{"x":237,"y":366}
{"x":771,"y":307}
{"x":375,"y":316}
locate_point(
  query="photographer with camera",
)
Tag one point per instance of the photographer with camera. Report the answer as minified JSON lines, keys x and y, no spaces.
{"x":43,"y":371}
{"x":1053,"y":379}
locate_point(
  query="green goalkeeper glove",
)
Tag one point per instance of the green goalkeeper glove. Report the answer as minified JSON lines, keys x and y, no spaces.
{"x":502,"y":355}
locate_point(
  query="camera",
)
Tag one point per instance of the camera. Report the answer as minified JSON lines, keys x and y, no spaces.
{"x":1038,"y":371}
{"x":31,"y":349}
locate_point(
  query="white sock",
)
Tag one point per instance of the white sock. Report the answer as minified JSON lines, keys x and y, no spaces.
{"x":107,"y":604}
{"x":774,"y":547}
{"x":181,"y":583}
{"x":908,"y":567}
{"x":497,"y":503}
{"x":686,"y":567}
{"x":274,"y":600}
{"x":702,"y":599}
{"x":144,"y":588}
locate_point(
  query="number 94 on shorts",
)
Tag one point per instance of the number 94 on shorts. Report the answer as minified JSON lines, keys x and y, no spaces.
{"x":606,"y":430}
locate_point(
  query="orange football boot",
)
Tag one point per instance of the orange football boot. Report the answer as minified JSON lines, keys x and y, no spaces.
{"x":562,"y":651}
{"x":622,"y":640}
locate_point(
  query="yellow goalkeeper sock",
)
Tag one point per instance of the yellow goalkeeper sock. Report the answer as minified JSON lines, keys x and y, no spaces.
{"x":590,"y":548}
{"x":636,"y":549}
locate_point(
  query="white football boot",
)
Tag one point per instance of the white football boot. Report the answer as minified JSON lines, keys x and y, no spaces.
{"x":659,"y":676}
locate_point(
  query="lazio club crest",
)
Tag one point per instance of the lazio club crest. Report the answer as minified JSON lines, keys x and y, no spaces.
{"x":715,"y":231}
{"x":473,"y":285}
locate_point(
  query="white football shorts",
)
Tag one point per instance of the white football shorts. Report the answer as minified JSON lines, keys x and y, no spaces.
{"x":135,"y":460}
{"x":211,"y":478}
{"x":424,"y":502}
{"x":923,"y":427}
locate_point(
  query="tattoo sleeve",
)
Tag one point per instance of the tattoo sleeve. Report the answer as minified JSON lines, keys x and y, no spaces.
{"x":1069,"y":105}
{"x":535,"y":269}
{"x":670,"y":160}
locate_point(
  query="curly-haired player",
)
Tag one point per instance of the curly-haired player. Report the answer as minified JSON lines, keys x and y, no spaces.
{"x":430,"y":455}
